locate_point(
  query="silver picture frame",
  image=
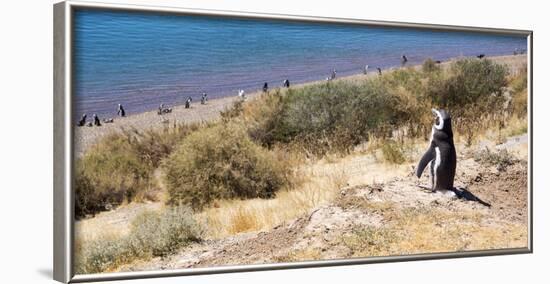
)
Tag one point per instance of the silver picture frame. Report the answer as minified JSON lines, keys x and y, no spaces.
{"x":63,"y":151}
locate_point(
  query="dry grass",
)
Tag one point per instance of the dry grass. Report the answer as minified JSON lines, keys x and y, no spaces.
{"x":322,"y":181}
{"x":447,"y":231}
{"x":229,"y":217}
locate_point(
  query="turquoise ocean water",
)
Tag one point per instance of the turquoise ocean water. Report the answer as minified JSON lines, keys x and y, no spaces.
{"x":144,"y":59}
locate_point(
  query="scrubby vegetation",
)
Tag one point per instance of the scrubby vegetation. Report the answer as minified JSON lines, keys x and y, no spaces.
{"x":120,"y":167}
{"x":502,"y":159}
{"x":221,"y":162}
{"x":213,"y":170}
{"x":338,"y":115}
{"x":152,"y":234}
{"x":235,"y":158}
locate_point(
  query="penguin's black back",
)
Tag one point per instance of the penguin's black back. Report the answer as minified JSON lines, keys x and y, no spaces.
{"x":447,"y":165}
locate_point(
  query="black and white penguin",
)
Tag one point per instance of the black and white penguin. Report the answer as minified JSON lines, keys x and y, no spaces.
{"x":366,"y":69}
{"x":120,"y":111}
{"x":441,"y":154}
{"x":265,"y":87}
{"x":333,"y":74}
{"x":379,"y":70}
{"x":161,"y":107}
{"x":286,"y":83}
{"x":97,"y":122}
{"x":188,"y":102}
{"x":204,"y":98}
{"x":404,"y":59}
{"x":480,"y":56}
{"x":241,"y":95}
{"x":82,"y":121}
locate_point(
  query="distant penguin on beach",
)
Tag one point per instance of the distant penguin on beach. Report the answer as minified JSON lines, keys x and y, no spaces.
{"x":188,"y":102}
{"x":379,"y":70}
{"x":333,"y":74}
{"x":441,"y":154}
{"x":97,"y":122}
{"x":404,"y":59}
{"x":120,"y":111}
{"x":82,"y":121}
{"x":438,"y":62}
{"x":204,"y":98}
{"x":366,"y":69}
{"x":241,"y":94}
{"x":286,"y":83}
{"x":161,"y":106}
{"x":480,"y":56}
{"x":265,"y":87}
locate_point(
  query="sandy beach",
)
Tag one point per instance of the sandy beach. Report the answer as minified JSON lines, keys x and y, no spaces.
{"x":87,"y":136}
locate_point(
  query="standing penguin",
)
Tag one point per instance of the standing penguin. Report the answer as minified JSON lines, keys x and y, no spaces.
{"x":82,"y":121}
{"x":404,"y":59}
{"x":97,"y":122}
{"x":121,"y":111}
{"x":441,"y":154}
{"x":286,"y":83}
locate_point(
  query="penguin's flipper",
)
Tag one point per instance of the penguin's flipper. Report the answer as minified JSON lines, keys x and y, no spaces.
{"x":426,"y":159}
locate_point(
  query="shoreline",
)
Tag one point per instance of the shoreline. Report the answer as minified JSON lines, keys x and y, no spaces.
{"x":85,"y":136}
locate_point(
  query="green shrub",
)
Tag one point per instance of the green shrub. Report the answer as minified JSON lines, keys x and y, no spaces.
{"x":473,"y":93}
{"x":335,"y":116}
{"x":152,"y":234}
{"x":109,"y":173}
{"x":222,"y":162}
{"x":339,"y":115}
{"x":154,"y":145}
{"x":472,"y":82}
{"x":120,"y":167}
{"x":160,"y":234}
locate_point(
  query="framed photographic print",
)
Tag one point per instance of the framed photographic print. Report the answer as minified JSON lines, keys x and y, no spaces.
{"x":195,"y":141}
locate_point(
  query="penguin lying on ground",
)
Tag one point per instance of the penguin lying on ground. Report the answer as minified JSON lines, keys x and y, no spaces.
{"x":480,"y":56}
{"x":441,"y":155}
